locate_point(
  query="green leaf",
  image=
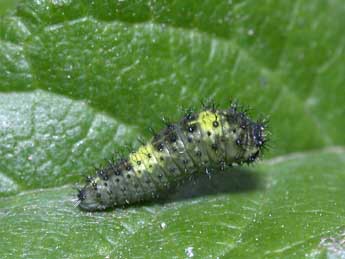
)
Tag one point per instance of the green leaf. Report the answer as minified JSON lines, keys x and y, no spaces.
{"x":80,"y":79}
{"x":6,"y":5}
{"x":273,"y":211}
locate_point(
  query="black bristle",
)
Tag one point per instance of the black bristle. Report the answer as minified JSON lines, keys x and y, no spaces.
{"x":88,"y":179}
{"x":152,"y":131}
{"x":81,"y":195}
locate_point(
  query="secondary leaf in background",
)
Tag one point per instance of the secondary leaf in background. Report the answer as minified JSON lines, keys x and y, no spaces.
{"x":49,"y":140}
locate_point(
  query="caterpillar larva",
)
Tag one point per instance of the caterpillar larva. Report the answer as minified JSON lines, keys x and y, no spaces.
{"x":197,"y":143}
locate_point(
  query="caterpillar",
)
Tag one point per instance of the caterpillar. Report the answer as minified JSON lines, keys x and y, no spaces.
{"x":199,"y":142}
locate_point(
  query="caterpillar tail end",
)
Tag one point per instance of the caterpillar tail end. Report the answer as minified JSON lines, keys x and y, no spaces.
{"x":88,"y":200}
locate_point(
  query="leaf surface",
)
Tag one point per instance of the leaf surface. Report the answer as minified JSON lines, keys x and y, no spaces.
{"x":79,"y":80}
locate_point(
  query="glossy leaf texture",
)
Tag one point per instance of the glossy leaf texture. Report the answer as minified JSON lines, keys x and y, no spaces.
{"x":80,"y":80}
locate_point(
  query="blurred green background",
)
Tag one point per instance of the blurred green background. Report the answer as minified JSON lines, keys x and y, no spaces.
{"x":80,"y":79}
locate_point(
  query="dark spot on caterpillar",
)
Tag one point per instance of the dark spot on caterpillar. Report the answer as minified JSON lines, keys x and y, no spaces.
{"x":168,"y":135}
{"x":238,"y":142}
{"x":89,"y":179}
{"x":168,"y":162}
{"x":257,"y":134}
{"x":103,"y":175}
{"x":253,"y":157}
{"x":173,"y":138}
{"x":191,"y":128}
{"x":222,"y":165}
{"x":112,"y":165}
{"x":190,"y":116}
{"x":81,"y":194}
{"x":159,"y":146}
{"x":169,"y":126}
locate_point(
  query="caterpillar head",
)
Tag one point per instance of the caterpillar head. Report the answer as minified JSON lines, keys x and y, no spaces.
{"x":256,"y":141}
{"x":249,"y":136}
